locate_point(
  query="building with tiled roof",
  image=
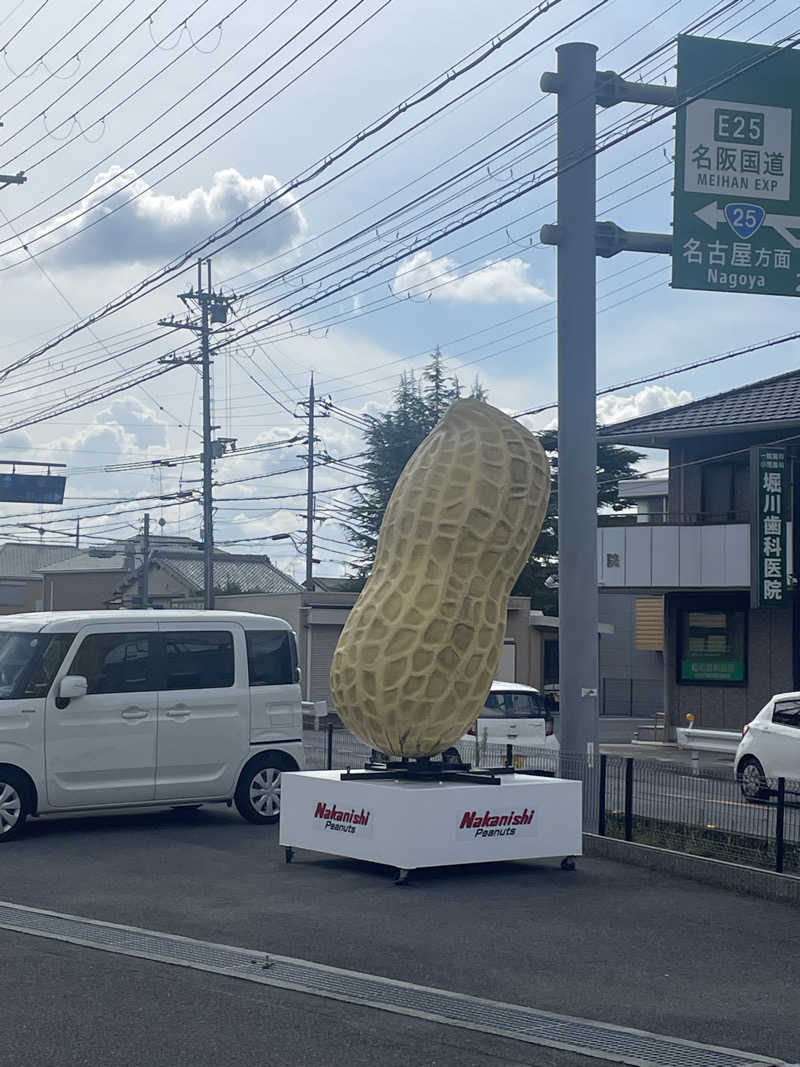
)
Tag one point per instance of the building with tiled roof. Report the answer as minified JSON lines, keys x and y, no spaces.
{"x":760,"y":408}
{"x":176,"y":579}
{"x":714,"y":574}
{"x":20,"y":580}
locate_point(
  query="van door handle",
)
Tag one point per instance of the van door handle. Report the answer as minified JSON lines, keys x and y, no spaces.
{"x":134,"y":713}
{"x":179,"y":711}
{"x":27,"y":711}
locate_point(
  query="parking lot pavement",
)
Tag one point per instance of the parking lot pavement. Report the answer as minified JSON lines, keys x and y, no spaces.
{"x":608,"y":942}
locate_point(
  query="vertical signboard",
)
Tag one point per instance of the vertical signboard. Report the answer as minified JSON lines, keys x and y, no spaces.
{"x":768,"y":527}
{"x":736,"y":225}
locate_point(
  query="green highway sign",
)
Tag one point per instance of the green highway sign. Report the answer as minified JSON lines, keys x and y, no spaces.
{"x":736,"y":221}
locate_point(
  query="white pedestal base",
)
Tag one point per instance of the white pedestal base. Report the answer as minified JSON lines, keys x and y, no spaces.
{"x":411,"y":824}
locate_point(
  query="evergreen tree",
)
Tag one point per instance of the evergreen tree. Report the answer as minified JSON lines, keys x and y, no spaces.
{"x":391,"y":439}
{"x":419,"y":404}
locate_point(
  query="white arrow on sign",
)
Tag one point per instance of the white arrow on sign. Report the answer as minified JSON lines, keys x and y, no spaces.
{"x":711,"y":214}
{"x":783,"y":225}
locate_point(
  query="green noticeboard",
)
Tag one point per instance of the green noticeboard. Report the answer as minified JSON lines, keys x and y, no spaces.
{"x":736,"y":224}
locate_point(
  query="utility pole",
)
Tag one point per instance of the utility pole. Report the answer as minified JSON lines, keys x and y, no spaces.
{"x":577,"y":418}
{"x":144,"y":581}
{"x":214,"y":308}
{"x":78,"y":533}
{"x":309,"y":583}
{"x":310,"y":412}
{"x":580,"y":238}
{"x":208,"y":503}
{"x":12,"y":179}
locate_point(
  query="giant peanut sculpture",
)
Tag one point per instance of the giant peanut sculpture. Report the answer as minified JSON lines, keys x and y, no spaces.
{"x":420,"y":648}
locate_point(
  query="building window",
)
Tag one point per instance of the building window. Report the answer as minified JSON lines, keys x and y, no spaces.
{"x":712,"y":647}
{"x":550,"y":661}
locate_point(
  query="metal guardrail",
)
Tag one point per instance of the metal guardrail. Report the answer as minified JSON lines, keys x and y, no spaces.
{"x":708,"y":740}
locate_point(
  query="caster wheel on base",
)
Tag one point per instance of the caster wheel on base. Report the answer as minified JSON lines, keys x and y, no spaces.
{"x":568,"y":864}
{"x":402,"y":876}
{"x":288,"y":854}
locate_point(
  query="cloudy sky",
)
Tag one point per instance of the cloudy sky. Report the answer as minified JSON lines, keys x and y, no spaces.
{"x":144,"y":129}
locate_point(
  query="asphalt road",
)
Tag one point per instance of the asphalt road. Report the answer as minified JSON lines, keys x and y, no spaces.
{"x":79,"y":1007}
{"x":608,"y":942}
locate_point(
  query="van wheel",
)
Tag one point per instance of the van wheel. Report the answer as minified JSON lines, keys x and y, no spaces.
{"x":13,"y":806}
{"x":751,"y":779}
{"x":258,"y":794}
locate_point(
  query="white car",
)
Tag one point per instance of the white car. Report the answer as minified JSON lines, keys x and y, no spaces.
{"x":513,"y":714}
{"x":770,"y":746}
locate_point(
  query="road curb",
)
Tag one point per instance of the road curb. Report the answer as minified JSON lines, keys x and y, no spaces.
{"x":784,"y":888}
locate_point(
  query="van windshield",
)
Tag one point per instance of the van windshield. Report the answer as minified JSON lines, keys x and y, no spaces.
{"x":514,"y":706}
{"x":29,"y":662}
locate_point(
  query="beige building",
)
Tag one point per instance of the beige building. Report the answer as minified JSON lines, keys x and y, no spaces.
{"x":529,"y":653}
{"x":20,"y":578}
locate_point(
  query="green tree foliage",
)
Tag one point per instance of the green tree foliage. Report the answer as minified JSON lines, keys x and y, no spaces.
{"x":613,"y":463}
{"x":419,"y":403}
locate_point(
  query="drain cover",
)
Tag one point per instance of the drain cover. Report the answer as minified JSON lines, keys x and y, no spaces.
{"x":619,"y":1044}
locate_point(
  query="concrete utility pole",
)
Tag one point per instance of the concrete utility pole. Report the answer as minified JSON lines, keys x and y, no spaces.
{"x":214,"y":308}
{"x":12,"y":179}
{"x":309,"y":582}
{"x":144,"y":581}
{"x":310,"y":412}
{"x":580,"y":238}
{"x":208,"y":503}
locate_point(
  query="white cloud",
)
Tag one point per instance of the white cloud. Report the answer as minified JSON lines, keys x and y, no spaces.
{"x":614,"y":407}
{"x":497,"y":282}
{"x":156,"y":226}
{"x":617,"y":408}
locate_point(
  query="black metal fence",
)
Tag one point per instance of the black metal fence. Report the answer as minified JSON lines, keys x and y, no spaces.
{"x":670,"y":805}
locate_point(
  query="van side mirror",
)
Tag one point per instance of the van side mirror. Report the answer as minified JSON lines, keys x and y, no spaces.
{"x":71,"y":687}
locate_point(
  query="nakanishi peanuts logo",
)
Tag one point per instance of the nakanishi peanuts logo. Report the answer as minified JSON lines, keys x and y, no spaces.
{"x":496,"y":824}
{"x":343,"y":820}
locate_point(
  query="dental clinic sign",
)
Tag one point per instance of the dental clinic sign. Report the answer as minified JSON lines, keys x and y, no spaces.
{"x":736,"y":225}
{"x":768,"y":529}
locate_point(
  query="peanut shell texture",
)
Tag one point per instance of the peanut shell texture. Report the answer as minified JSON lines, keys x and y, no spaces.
{"x":423,"y":641}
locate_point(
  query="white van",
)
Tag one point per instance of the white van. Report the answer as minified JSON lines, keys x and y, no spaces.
{"x":114,"y":709}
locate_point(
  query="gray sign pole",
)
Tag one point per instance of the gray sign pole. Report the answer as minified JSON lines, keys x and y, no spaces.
{"x":577,"y":436}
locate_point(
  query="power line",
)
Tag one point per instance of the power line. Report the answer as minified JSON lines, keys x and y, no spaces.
{"x":42,"y":114}
{"x":758,"y":346}
{"x":160,"y":276}
{"x":35,"y":63}
{"x":24,"y":25}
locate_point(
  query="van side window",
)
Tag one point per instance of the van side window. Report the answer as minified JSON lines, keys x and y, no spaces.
{"x":46,"y":666}
{"x":271,"y":657}
{"x":198,"y":659}
{"x":114,"y":663}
